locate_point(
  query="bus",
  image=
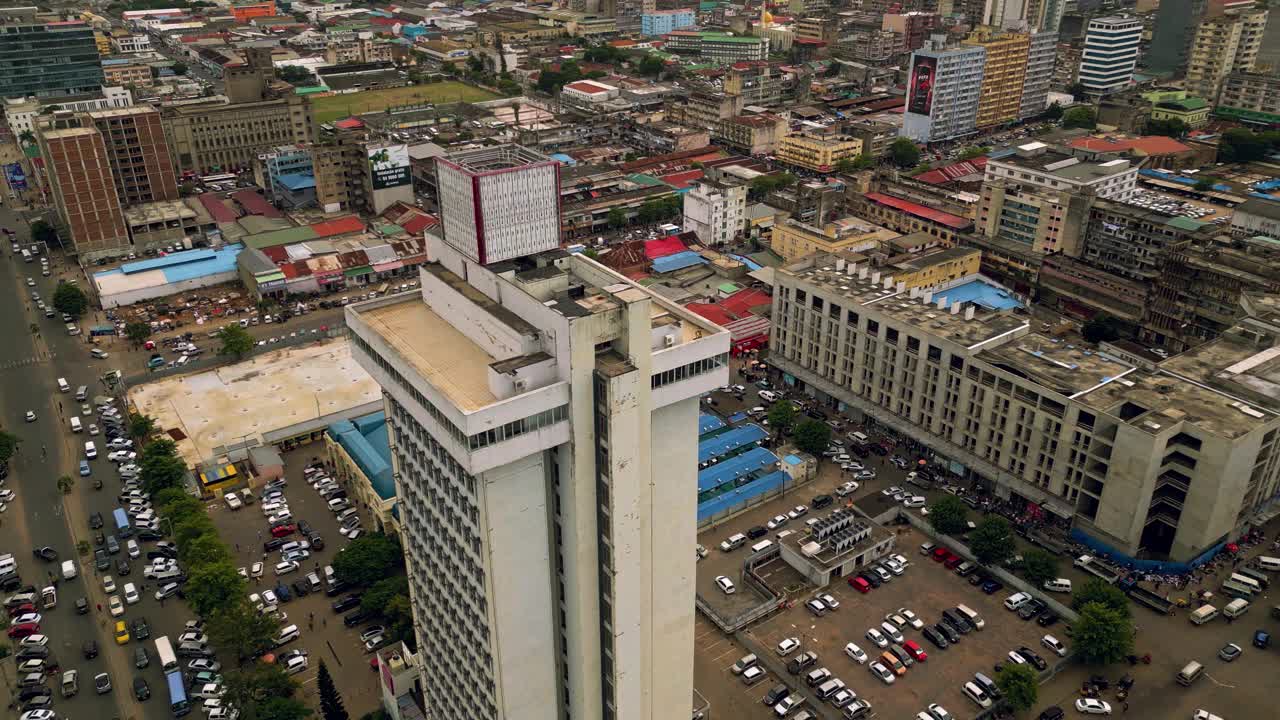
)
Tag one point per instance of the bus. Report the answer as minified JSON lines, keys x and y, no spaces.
{"x":1236,"y":590}
{"x":26,"y":256}
{"x":178,"y":702}
{"x":123,"y":529}
{"x":168,"y":661}
{"x":225,"y":177}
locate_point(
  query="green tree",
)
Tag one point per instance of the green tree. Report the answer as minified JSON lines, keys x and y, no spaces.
{"x":257,"y":683}
{"x":375,"y":599}
{"x":241,"y":630}
{"x":1204,"y":184}
{"x":137,"y":332}
{"x":141,"y":426}
{"x":1101,"y":328}
{"x":179,"y":68}
{"x":296,"y":75}
{"x":70,"y":299}
{"x":782,"y":416}
{"x":1171,"y":127}
{"x":66,"y":483}
{"x":904,"y":153}
{"x":1096,"y":591}
{"x":160,"y":467}
{"x":42,"y":231}
{"x":1102,"y":635}
{"x":1019,"y":685}
{"x":212,"y":586}
{"x":192,"y":528}
{"x":973,"y":151}
{"x":27,"y":137}
{"x":278,"y":708}
{"x":176,"y":505}
{"x":651,"y":65}
{"x":8,"y":446}
{"x":812,"y":436}
{"x":331,"y":707}
{"x":1080,"y":117}
{"x":1038,"y":565}
{"x":1240,"y":145}
{"x":1053,"y":112}
{"x":617,"y":218}
{"x":399,"y":618}
{"x":236,"y":341}
{"x":367,"y":559}
{"x":846,"y":165}
{"x":992,"y":540}
{"x":205,"y":550}
{"x":949,"y":515}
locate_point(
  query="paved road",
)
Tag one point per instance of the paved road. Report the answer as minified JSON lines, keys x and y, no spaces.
{"x":41,"y":515}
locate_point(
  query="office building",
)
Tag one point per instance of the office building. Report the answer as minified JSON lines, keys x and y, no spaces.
{"x":816,"y":152}
{"x":1175,"y":25}
{"x":543,"y":417}
{"x":752,"y":134}
{"x":499,"y":203}
{"x":943,"y":93}
{"x":1159,"y":461}
{"x":1042,"y":55}
{"x":1110,"y":54}
{"x":1044,"y":220}
{"x":715,"y":211}
{"x":48,"y":60}
{"x":1251,"y":97}
{"x":1004,"y":75}
{"x":83,"y":191}
{"x":717,"y":47}
{"x":793,"y":239}
{"x":1040,"y":165}
{"x":1222,"y":45}
{"x":913,"y":27}
{"x":661,"y":22}
{"x":138,"y":153}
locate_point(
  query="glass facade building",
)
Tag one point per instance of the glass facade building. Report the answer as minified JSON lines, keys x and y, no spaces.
{"x":48,"y":60}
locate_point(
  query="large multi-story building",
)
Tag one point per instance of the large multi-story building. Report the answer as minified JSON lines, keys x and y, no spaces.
{"x":1037,"y":164}
{"x":717,"y":47}
{"x":715,"y":211}
{"x":1164,"y":461}
{"x":1004,"y":74}
{"x":1252,"y":97}
{"x":1045,"y":220}
{"x":1110,"y":54}
{"x":661,"y":22}
{"x":943,"y":93}
{"x":83,"y":190}
{"x":542,"y":413}
{"x":912,"y":27}
{"x":48,"y":60}
{"x":757,"y":134}
{"x":138,"y":153}
{"x":818,"y":153}
{"x":1222,"y":45}
{"x":206,"y":138}
{"x":1042,"y":55}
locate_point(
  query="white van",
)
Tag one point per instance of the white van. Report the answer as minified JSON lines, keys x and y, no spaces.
{"x":63,"y":386}
{"x":762,"y":546}
{"x":859,"y":438}
{"x":90,"y":450}
{"x":75,"y":424}
{"x":1246,"y":581}
{"x":976,"y":694}
{"x":1269,"y":563}
{"x":288,"y":633}
{"x":1190,"y":673}
{"x":1236,"y":608}
{"x":974,"y":618}
{"x":1062,"y":585}
{"x":1203,"y":614}
{"x":82,"y":392}
{"x":68,"y":569}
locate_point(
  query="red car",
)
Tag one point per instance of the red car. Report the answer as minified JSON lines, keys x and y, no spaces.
{"x":953,"y":561}
{"x":18,"y":632}
{"x":940,"y":554}
{"x":915,"y":650}
{"x":860,"y":585}
{"x":283,"y":530}
{"x":19,"y":609}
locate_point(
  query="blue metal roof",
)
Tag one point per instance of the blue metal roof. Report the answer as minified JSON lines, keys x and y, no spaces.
{"x":751,"y":264}
{"x":365,"y":440}
{"x":725,"y":501}
{"x":979,"y":292}
{"x":296,"y":181}
{"x":677,"y":261}
{"x":177,"y":258}
{"x":742,"y":466}
{"x":728,"y":442}
{"x":186,"y":265}
{"x":708,"y":423}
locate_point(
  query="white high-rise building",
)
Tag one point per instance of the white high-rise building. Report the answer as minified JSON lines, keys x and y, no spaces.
{"x":715,"y":211}
{"x":943,"y":92}
{"x":542,"y":415}
{"x":1110,"y":54}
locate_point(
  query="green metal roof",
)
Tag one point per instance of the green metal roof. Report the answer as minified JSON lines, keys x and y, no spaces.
{"x":648,"y":180}
{"x":280,"y":237}
{"x":1185,"y":223}
{"x":310,"y":90}
{"x":728,"y":287}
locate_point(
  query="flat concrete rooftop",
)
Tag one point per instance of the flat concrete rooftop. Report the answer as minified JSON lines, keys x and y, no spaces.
{"x":1061,"y":366}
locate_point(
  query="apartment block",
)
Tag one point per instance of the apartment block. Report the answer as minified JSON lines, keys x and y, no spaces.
{"x":542,"y":413}
{"x":912,"y":27}
{"x":1161,"y":461}
{"x":943,"y":93}
{"x":1004,"y":74}
{"x":1251,"y":97}
{"x":793,"y":239}
{"x":84,"y":191}
{"x":138,"y":153}
{"x":1110,"y":54}
{"x":715,"y":211}
{"x":1222,"y":45}
{"x":661,"y":22}
{"x":48,"y":60}
{"x":126,"y":74}
{"x":1134,"y":242}
{"x":818,"y":153}
{"x":1036,"y":164}
{"x":715,"y":47}
{"x":752,"y":134}
{"x":1042,"y":57}
{"x":1046,"y":220}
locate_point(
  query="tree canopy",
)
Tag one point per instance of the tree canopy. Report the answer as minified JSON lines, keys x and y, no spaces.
{"x":1169,"y":127}
{"x":1039,"y":565}
{"x":368,"y":559}
{"x":904,"y":153}
{"x":1241,"y":145}
{"x":782,"y":416}
{"x":42,"y":231}
{"x":8,"y":446}
{"x":236,"y":341}
{"x":1080,"y":117}
{"x":1102,"y":635}
{"x":70,"y":299}
{"x":949,"y":515}
{"x":1019,"y":685}
{"x":137,"y":332}
{"x":812,"y":436}
{"x":1096,"y":590}
{"x":992,"y":540}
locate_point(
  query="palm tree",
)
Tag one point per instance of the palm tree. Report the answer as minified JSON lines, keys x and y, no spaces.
{"x":65,"y":483}
{"x":27,"y":137}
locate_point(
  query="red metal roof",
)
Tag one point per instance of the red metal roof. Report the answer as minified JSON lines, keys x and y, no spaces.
{"x":349,"y":123}
{"x":276,"y":253}
{"x":920,"y":211}
{"x":741,"y":302}
{"x":662,"y":247}
{"x":956,"y":171}
{"x":340,"y":226}
{"x":714,"y":313}
{"x":255,"y":204}
{"x":218,"y":209}
{"x":586,"y":86}
{"x":418,"y":223}
{"x":681,"y":180}
{"x":1148,"y":145}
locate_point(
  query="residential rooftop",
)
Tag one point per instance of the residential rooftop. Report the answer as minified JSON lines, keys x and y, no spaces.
{"x":1045,"y":159}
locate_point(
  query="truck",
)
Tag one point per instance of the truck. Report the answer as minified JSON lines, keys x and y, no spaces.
{"x":101,"y":330}
{"x":1145,"y":597}
{"x":1095,"y":567}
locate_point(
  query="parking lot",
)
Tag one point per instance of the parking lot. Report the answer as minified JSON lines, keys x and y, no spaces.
{"x":323,"y":635}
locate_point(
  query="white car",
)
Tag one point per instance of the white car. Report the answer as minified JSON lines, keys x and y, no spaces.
{"x":120,"y":444}
{"x":108,"y":584}
{"x":855,"y":653}
{"x":788,"y":646}
{"x":1016,"y":658}
{"x":31,"y":416}
{"x":777,"y":522}
{"x":879,"y":670}
{"x":829,"y":600}
{"x":894,"y":566}
{"x":131,"y":594}
{"x":787,"y":704}
{"x":204,"y":665}
{"x":286,"y":567}
{"x":1205,"y":715}
{"x":915,"y":622}
{"x":116,"y":607}
{"x":209,"y":691}
{"x":34,"y":641}
{"x":1092,"y":706}
{"x":877,"y":638}
{"x":194,"y":636}
{"x":131,"y":546}
{"x":121,"y":456}
{"x":914,"y":501}
{"x":847,"y":489}
{"x":893,"y":632}
{"x":891,"y":491}
{"x":798,"y":512}
{"x":939,"y":712}
{"x":256,"y":570}
{"x":1016,"y":600}
{"x":295,"y":665}
{"x":726,"y":585}
{"x":1054,"y":645}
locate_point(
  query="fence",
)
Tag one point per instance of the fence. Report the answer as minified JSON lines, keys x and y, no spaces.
{"x":213,"y":360}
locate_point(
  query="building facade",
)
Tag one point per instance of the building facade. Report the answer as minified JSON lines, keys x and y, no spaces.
{"x":1110,"y":54}
{"x":48,"y":60}
{"x":206,"y":138}
{"x":1040,"y":165}
{"x":528,"y":405}
{"x":793,"y":239}
{"x":1251,"y":97}
{"x":717,"y":48}
{"x":1044,"y":219}
{"x":943,"y":93}
{"x":84,"y":191}
{"x":661,"y":22}
{"x":1223,"y":44}
{"x":1167,"y":462}
{"x":752,"y":134}
{"x":818,"y":153}
{"x":715,"y":211}
{"x":1042,"y":56}
{"x":1003,"y":76}
{"x":138,"y":153}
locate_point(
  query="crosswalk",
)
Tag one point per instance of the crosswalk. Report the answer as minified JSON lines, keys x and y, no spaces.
{"x":23,"y":362}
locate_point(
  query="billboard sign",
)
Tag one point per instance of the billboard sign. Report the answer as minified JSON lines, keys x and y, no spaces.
{"x":920,"y":89}
{"x":389,"y":166}
{"x":16,"y":177}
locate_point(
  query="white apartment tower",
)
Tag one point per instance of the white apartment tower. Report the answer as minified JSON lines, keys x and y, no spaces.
{"x":1110,"y":54}
{"x":943,"y":91}
{"x":715,"y":211}
{"x":543,"y":422}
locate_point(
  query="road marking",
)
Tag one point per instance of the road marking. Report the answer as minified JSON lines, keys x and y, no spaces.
{"x":1219,"y":684}
{"x":730,"y":651}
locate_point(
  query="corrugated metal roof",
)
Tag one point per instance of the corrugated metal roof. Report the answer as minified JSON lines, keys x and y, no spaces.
{"x":678,"y":261}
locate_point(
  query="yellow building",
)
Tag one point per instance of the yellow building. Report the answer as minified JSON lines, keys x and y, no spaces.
{"x":104,"y":44}
{"x":934,"y":267}
{"x":818,"y":153}
{"x":1000,"y":99}
{"x":793,"y":239}
{"x":1222,"y":45}
{"x":1193,"y":111}
{"x":126,"y":75}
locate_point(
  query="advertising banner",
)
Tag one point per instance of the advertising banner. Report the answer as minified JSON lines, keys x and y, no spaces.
{"x":389,"y":166}
{"x":920,"y":90}
{"x":16,"y":177}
